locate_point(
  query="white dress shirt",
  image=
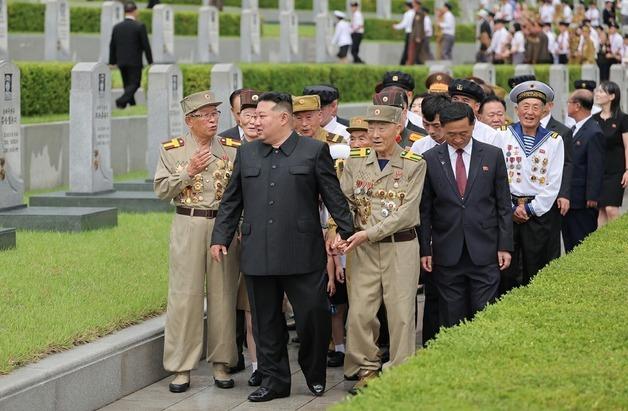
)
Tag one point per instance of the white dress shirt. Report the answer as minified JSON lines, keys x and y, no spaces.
{"x":448,"y":25}
{"x":428,"y":27}
{"x":617,"y":43}
{"x":593,"y":14}
{"x":547,"y":13}
{"x":335,"y":127}
{"x":499,"y":42}
{"x":567,"y":13}
{"x":241,"y":132}
{"x":342,"y":34}
{"x":546,"y":120}
{"x":466,"y":156}
{"x":414,"y":118}
{"x":357,"y":22}
{"x":507,"y":12}
{"x":518,"y":43}
{"x":484,"y":133}
{"x":562,"y":43}
{"x":406,"y":22}
{"x":551,"y":42}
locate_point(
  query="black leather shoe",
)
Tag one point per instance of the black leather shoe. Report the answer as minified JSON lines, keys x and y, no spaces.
{"x":256,"y":379}
{"x":179,"y":388}
{"x":337,"y":359}
{"x":263,"y":394}
{"x":317,"y":389}
{"x":239,"y":367}
{"x":224,"y":383}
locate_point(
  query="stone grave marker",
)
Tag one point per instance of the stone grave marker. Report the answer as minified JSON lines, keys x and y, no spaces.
{"x":286,"y":5}
{"x":559,"y":80}
{"x":289,"y":36}
{"x":384,"y":9}
{"x":111,"y":14}
{"x":250,"y":36}
{"x":11,"y":183}
{"x":57,"y":30}
{"x":208,"y":37}
{"x":590,"y":72}
{"x":320,"y":6}
{"x":325,"y":51}
{"x":619,"y":75}
{"x":225,"y":79}
{"x":163,"y":34}
{"x":485,"y":71}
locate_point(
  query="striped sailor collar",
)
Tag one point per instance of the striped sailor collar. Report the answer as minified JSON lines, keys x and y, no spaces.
{"x":540,"y":137}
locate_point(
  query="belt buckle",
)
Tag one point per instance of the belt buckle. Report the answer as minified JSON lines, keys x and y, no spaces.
{"x":521,"y":201}
{"x":192,"y":212}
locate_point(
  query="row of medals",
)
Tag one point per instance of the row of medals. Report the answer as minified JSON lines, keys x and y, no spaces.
{"x":365,"y":190}
{"x":194,"y":194}
{"x":514,"y":166}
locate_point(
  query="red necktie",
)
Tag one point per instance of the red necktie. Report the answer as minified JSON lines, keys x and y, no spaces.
{"x":461,"y":173}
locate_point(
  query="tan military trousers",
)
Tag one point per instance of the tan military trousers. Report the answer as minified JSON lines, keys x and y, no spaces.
{"x":191,"y":271}
{"x":377,"y":272}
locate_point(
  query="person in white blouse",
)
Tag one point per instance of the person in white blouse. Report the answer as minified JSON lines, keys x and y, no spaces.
{"x":593,"y":14}
{"x":617,"y":42}
{"x":448,"y":27}
{"x":500,"y":42}
{"x":428,"y":28}
{"x":406,"y":25}
{"x":567,"y":13}
{"x":357,"y":31}
{"x":342,"y":36}
{"x":517,"y":45}
{"x":562,"y":42}
{"x":506,"y":11}
{"x":546,"y":12}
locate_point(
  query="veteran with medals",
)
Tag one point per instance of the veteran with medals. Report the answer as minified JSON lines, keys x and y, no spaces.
{"x":383,"y":186}
{"x":193,"y":172}
{"x":534,"y":160}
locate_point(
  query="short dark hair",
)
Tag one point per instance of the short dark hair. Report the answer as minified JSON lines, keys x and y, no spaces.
{"x":610,"y":87}
{"x":433,"y":104}
{"x":456,"y":111}
{"x":130,"y":6}
{"x":283,"y":100}
{"x":492,"y":99}
{"x":584,"y":98}
{"x":233,"y":95}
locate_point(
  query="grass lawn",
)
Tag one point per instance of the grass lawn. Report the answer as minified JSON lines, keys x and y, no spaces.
{"x":272,"y":30}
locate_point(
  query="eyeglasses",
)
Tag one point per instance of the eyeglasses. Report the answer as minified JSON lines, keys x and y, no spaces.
{"x":248,"y":117}
{"x":212,"y":116}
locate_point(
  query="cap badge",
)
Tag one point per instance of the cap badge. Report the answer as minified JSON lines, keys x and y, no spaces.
{"x":255,"y":97}
{"x":395,"y":78}
{"x":301,"y":101}
{"x":459,"y":87}
{"x":385,"y":99}
{"x":206,"y":97}
{"x":439,"y":77}
{"x":583,"y":85}
{"x":376,"y":112}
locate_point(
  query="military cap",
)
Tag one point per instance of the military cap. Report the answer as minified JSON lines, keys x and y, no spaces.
{"x":532,"y":89}
{"x":513,"y":81}
{"x":399,"y":79}
{"x":357,"y":123}
{"x":386,"y":114}
{"x":327,"y":93}
{"x":193,"y":102}
{"x":563,"y":23}
{"x":438,"y":82}
{"x":391,"y":96}
{"x":468,"y":88}
{"x":249,"y":98}
{"x":584,"y":85}
{"x":340,"y":14}
{"x":306,"y":103}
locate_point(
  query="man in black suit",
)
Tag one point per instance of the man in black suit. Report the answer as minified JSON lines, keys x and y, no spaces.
{"x":235,"y":101}
{"x":588,"y":170}
{"x":466,"y":218}
{"x":276,"y":183}
{"x":128,"y":41}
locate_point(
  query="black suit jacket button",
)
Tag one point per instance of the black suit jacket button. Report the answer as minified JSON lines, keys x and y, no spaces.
{"x":274,"y":166}
{"x":271,"y":202}
{"x":270,"y":221}
{"x":272,"y":184}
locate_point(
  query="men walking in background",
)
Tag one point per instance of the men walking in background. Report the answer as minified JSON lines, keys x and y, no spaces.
{"x":357,"y":31}
{"x":406,"y":25}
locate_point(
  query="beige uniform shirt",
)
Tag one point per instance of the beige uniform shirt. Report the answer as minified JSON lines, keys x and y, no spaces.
{"x":386,"y":201}
{"x":204,"y":190}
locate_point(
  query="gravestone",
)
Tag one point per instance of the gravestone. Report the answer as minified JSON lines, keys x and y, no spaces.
{"x":11,"y":183}
{"x":250,"y":36}
{"x":524,"y":69}
{"x":286,"y":5}
{"x":384,"y":9}
{"x":443,"y":66}
{"x":163,"y":34}
{"x":225,"y":79}
{"x":250,"y":4}
{"x":111,"y":14}
{"x":57,"y":30}
{"x":485,"y":71}
{"x":7,"y":238}
{"x":559,"y":80}
{"x":325,"y":51}
{"x":289,"y":37}
{"x":590,"y":72}
{"x":90,"y":129}
{"x":208,"y":37}
{"x":619,"y":75}
{"x":165,"y":118}
{"x":320,"y":7}
{"x":4,"y":31}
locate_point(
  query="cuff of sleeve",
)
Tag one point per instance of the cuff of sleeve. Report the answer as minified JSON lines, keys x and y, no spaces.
{"x":372,"y":234}
{"x":185,"y":177}
{"x":529,"y":209}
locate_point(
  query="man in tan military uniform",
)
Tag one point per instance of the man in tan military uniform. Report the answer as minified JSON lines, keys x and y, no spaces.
{"x":193,"y":172}
{"x":396,"y":97}
{"x":383,"y":186}
{"x":306,"y":111}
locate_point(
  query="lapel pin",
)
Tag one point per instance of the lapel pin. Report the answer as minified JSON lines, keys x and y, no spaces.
{"x":485,"y":168}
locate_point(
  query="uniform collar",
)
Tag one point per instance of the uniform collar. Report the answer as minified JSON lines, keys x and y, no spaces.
{"x":287,"y":147}
{"x":395,"y":160}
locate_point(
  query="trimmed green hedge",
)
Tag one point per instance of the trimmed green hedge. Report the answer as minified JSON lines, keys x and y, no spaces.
{"x":355,"y":82}
{"x":560,"y":343}
{"x":379,"y":29}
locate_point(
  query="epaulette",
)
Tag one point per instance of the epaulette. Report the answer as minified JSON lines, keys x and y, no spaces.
{"x":360,"y":152}
{"x":554,"y":134}
{"x":409,"y":155}
{"x":503,"y":128}
{"x":229,"y":142}
{"x":334,"y":138}
{"x":174,"y":143}
{"x":415,"y":137}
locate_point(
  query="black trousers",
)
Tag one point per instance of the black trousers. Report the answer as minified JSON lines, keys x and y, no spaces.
{"x":307,"y":294}
{"x":404,"y":55}
{"x":240,"y":335}
{"x":577,"y":224}
{"x":431,"y":320}
{"x":356,"y":39}
{"x":553,"y":246}
{"x":132,"y":79}
{"x":531,"y":240}
{"x":464,"y":289}
{"x":563,"y":58}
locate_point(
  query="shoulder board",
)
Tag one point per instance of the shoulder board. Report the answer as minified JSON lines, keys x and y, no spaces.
{"x":409,"y":155}
{"x":174,"y":143}
{"x":503,"y":128}
{"x":230,"y":142}
{"x":360,"y":152}
{"x":334,"y":138}
{"x":554,"y":134}
{"x":415,"y":137}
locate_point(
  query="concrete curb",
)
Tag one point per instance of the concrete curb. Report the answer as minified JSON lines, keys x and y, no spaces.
{"x":89,"y":376}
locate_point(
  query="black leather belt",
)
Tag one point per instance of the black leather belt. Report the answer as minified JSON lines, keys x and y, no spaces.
{"x":195,"y":212}
{"x":521,"y":200}
{"x":399,"y":236}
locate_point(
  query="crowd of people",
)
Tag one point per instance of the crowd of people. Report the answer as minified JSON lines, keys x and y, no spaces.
{"x":343,"y":222}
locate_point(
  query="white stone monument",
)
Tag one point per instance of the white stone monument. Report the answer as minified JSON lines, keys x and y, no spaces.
{"x":384,"y":9}
{"x":286,"y":5}
{"x":591,"y":72}
{"x":289,"y":36}
{"x":11,"y":183}
{"x":111,"y":14}
{"x":208,"y":37}
{"x":165,"y":118}
{"x":57,"y":30}
{"x":619,"y":75}
{"x":90,"y":129}
{"x":225,"y":79}
{"x":559,"y":80}
{"x":524,"y":69}
{"x":163,"y":34}
{"x":250,"y":36}
{"x":325,"y":51}
{"x":250,"y":4}
{"x":4,"y":31}
{"x":485,"y":71}
{"x":443,"y":66}
{"x":320,"y":7}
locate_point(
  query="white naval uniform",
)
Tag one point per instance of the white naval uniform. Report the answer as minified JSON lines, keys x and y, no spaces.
{"x":484,"y":133}
{"x":422,"y":145}
{"x":335,"y":127}
{"x":539,"y":173}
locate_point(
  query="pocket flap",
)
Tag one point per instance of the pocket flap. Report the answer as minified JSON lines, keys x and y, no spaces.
{"x":300,"y":169}
{"x":250,"y":171}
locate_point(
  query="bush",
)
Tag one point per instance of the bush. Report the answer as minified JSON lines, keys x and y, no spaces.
{"x":26,"y":17}
{"x":559,"y":343}
{"x":45,"y":88}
